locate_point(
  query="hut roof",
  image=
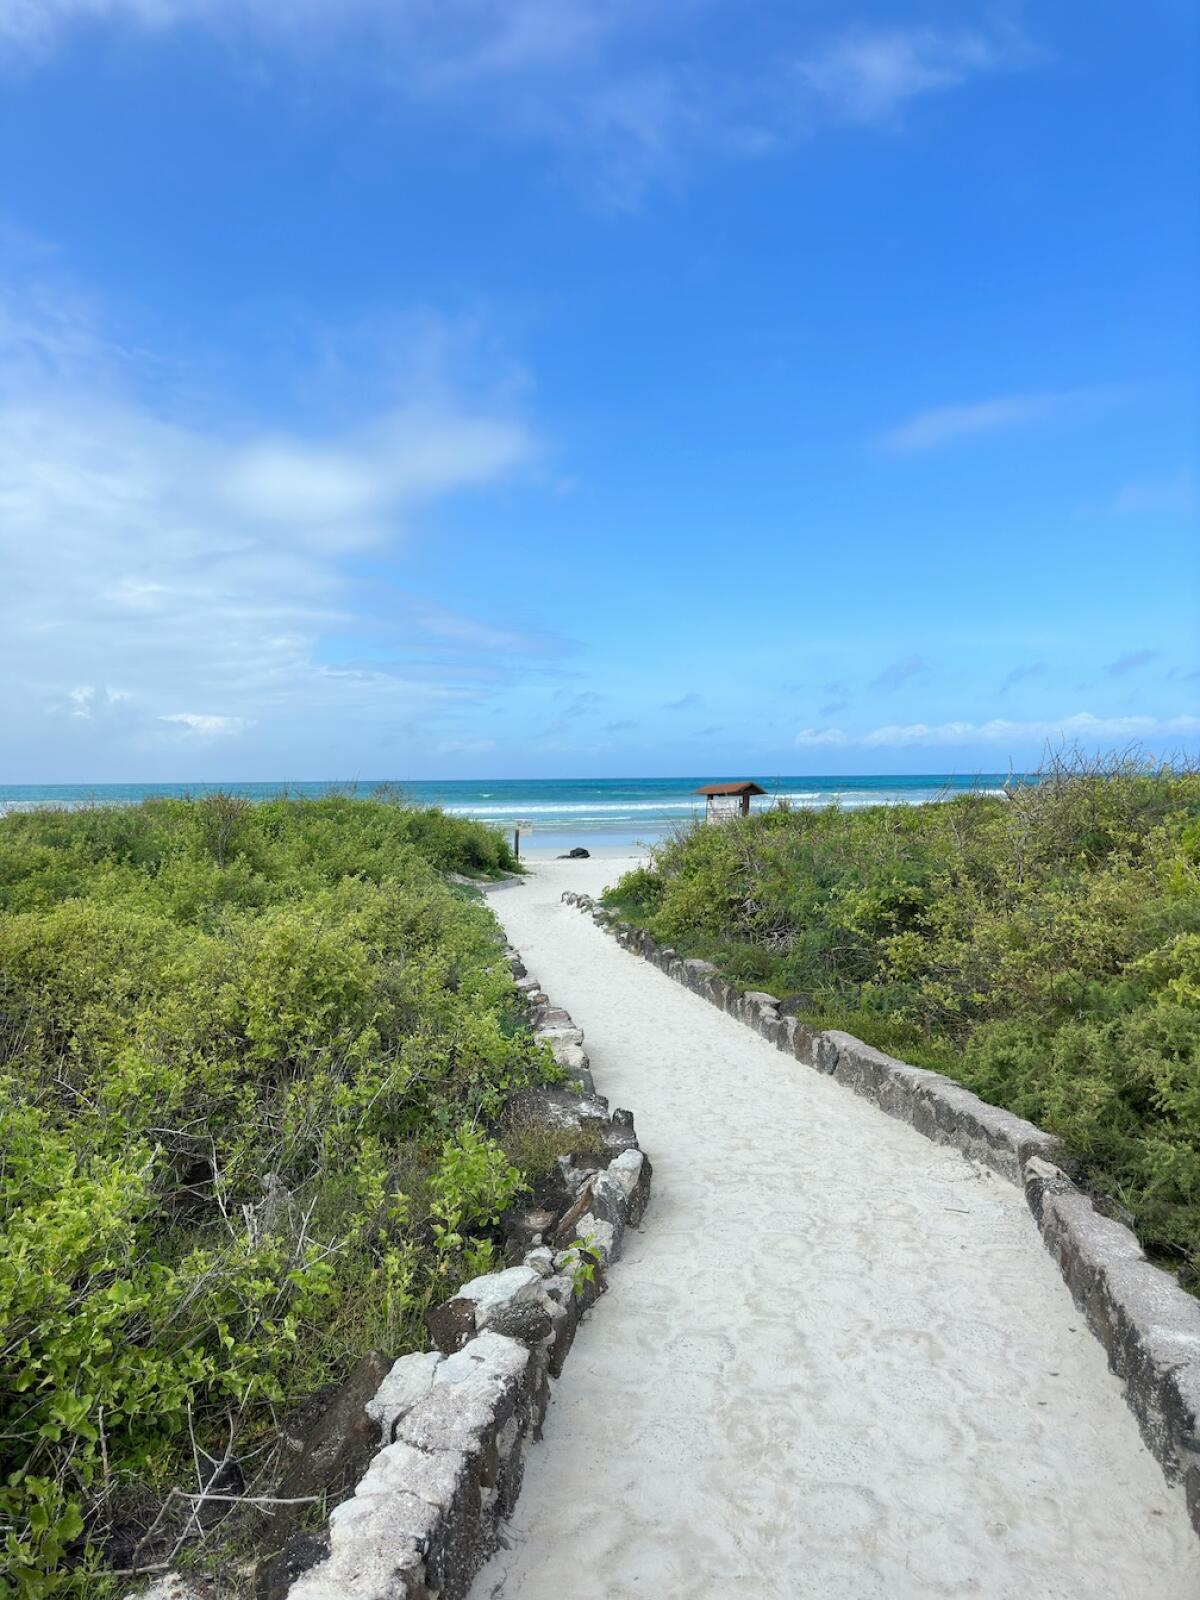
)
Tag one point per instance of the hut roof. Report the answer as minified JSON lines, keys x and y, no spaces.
{"x":747,"y":786}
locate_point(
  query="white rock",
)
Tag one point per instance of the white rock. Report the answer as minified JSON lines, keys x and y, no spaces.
{"x":345,"y":1521}
{"x":311,"y":1586}
{"x":597,"y":1235}
{"x":601,"y":1237}
{"x":627,"y":1169}
{"x":496,"y":1289}
{"x":558,"y":1033}
{"x":559,"y":1290}
{"x":571,"y":1057}
{"x":409,"y":1380}
{"x":488,"y":1359}
{"x":390,"y":1472}
{"x":541,"y":1260}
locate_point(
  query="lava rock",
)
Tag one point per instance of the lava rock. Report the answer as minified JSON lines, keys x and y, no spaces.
{"x":523,"y":1320}
{"x":337,"y":1444}
{"x":525,"y":1228}
{"x":451,"y":1324}
{"x":274,"y":1576}
{"x":335,"y":1450}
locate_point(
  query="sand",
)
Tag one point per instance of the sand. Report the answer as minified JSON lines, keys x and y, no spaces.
{"x":836,"y":1361}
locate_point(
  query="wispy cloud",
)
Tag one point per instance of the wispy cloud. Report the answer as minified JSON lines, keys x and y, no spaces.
{"x":1172,"y":495}
{"x":687,"y":702}
{"x":623,"y":92}
{"x":446,"y":626}
{"x":207,"y":725}
{"x":945,"y":425}
{"x":92,"y":700}
{"x":461,"y":39}
{"x":569,"y":74}
{"x":169,"y":579}
{"x":1036,"y":671}
{"x":867,"y":74}
{"x":899,"y":672}
{"x":582,"y":704}
{"x":1130,"y":662}
{"x":1082,"y":727}
{"x":622,"y":726}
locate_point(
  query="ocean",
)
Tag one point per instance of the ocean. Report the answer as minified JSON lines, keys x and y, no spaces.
{"x":591,"y":812}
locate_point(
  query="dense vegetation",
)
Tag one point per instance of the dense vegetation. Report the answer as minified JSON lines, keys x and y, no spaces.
{"x":1043,"y":948}
{"x":251,"y":1064}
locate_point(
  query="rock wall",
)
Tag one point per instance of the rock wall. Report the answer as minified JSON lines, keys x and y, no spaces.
{"x":1149,"y":1326}
{"x":457,"y":1420}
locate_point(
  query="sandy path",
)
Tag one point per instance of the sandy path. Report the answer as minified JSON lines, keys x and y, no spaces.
{"x":837,"y":1361}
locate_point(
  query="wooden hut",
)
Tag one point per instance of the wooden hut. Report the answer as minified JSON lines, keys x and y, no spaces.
{"x":727,"y":799}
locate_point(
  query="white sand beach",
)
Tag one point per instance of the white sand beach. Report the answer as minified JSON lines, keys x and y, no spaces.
{"x":835,"y":1363}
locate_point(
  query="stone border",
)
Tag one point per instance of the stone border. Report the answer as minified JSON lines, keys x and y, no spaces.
{"x":457,"y":1419}
{"x":1148,"y":1325}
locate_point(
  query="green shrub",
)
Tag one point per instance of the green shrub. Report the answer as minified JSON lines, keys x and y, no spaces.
{"x":250,"y":1058}
{"x":1043,"y":947}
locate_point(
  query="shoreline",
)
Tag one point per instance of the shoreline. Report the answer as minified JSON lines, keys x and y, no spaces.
{"x":533,"y":855}
{"x":564,"y":811}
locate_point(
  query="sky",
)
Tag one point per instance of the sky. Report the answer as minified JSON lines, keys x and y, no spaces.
{"x":461,"y":388}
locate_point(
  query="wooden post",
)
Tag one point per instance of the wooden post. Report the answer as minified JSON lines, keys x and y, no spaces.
{"x":517,"y":842}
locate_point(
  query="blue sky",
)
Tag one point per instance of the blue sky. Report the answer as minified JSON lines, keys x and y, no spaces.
{"x":392,"y":388}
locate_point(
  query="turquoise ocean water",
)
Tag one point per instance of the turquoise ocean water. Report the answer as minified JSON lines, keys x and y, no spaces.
{"x":564,"y":812}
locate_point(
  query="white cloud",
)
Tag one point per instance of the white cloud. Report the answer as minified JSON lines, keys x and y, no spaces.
{"x":468,"y":40}
{"x":165,"y":578}
{"x":281,"y":482}
{"x":1082,"y":727}
{"x":927,"y":430}
{"x":210,"y":726}
{"x":90,"y":701}
{"x":867,"y":74}
{"x":400,"y":459}
{"x":816,"y":737}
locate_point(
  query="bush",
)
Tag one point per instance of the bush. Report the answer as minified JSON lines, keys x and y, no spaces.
{"x":250,"y":1061}
{"x":1043,"y":947}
